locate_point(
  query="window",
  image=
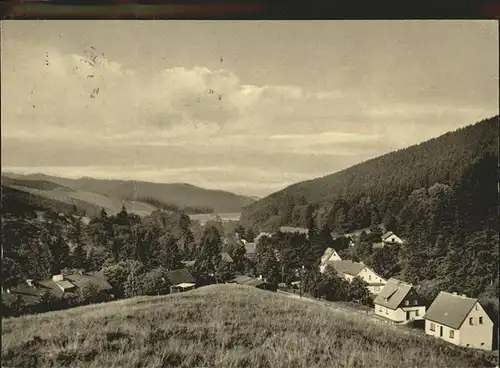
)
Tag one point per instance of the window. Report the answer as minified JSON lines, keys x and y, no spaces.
{"x":470,"y":321}
{"x":452,"y":334}
{"x":386,"y":311}
{"x":480,"y":320}
{"x":415,"y":302}
{"x":432,"y":327}
{"x":380,"y":309}
{"x":477,"y":306}
{"x":370,"y":277}
{"x":482,"y":343}
{"x":377,"y":288}
{"x":417,"y":313}
{"x":407,"y":302}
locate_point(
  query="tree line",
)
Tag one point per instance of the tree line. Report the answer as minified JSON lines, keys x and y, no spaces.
{"x":440,"y":196}
{"x":133,"y":253}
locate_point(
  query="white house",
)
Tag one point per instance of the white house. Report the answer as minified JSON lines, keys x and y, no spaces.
{"x":391,"y":238}
{"x":349,"y":270}
{"x":399,"y":302}
{"x":329,"y":255}
{"x":459,"y":320}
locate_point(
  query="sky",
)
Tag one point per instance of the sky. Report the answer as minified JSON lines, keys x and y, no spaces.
{"x":248,"y":107}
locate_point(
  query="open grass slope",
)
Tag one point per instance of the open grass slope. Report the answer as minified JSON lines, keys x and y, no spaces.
{"x":179,"y":194}
{"x":20,"y":200}
{"x":218,"y":326}
{"x":57,"y":197}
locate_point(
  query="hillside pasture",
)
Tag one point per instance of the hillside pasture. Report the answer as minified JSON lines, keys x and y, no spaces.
{"x":90,"y":200}
{"x":219,"y":326}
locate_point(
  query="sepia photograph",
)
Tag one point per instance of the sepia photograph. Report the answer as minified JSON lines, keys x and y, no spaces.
{"x":232,"y":194}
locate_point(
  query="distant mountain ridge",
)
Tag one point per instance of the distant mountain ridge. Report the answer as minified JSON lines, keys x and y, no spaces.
{"x":96,"y":191}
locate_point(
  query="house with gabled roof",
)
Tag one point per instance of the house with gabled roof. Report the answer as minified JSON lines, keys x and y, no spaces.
{"x":349,"y":270}
{"x":250,"y":249}
{"x":399,"y":302}
{"x":60,"y":286}
{"x":459,"y":320}
{"x":180,"y":280}
{"x":329,"y":255}
{"x":249,"y":281}
{"x":391,"y":238}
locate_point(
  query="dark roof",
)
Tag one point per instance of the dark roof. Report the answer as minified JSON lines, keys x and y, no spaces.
{"x":241,"y":279}
{"x":96,"y":278}
{"x":180,"y":276}
{"x":393,"y":293}
{"x":28,"y":294}
{"x":31,"y":295}
{"x":254,"y":282}
{"x":347,"y":267}
{"x":450,"y":309}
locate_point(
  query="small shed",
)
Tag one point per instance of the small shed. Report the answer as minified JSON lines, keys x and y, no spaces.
{"x":180,"y":280}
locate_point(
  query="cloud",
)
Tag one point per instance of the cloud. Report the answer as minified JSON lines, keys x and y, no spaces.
{"x":86,"y":114}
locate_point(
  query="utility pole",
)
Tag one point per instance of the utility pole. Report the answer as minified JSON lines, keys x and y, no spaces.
{"x":301,"y":280}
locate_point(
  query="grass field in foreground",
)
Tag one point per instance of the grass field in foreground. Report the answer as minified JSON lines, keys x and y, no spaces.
{"x":218,"y":326}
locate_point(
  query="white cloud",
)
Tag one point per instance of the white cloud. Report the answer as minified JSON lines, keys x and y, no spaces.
{"x":52,"y":99}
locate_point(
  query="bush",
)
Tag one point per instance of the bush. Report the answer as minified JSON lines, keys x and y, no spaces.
{"x":155,"y":282}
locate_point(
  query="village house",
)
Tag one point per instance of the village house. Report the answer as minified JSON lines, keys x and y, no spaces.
{"x":399,"y":302}
{"x":180,"y":280}
{"x":60,"y":286}
{"x":459,"y":320}
{"x":249,"y":281}
{"x":349,"y":270}
{"x":389,"y":238}
{"x":329,"y":255}
{"x":249,"y":249}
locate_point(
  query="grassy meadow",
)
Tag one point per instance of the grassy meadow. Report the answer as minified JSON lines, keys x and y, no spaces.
{"x":219,"y":326}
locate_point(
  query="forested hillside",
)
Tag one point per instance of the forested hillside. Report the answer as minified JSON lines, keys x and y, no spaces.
{"x":440,"y":196}
{"x":465,"y":160}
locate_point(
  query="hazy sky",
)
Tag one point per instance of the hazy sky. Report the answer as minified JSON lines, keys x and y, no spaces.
{"x":248,"y":107}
